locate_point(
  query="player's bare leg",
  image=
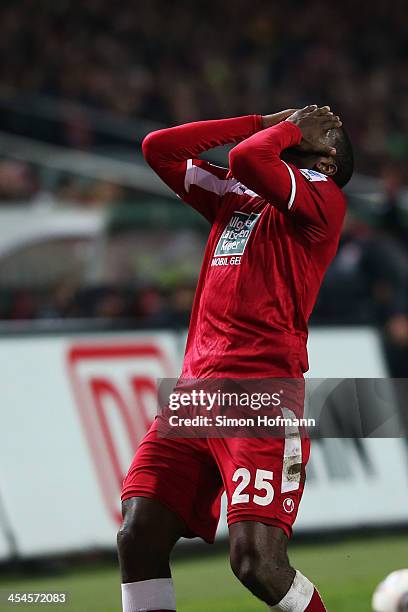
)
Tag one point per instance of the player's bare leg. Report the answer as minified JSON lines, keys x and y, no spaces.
{"x":259,"y":560}
{"x":145,"y":540}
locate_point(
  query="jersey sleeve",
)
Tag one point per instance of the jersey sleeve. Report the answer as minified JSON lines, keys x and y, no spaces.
{"x":173,"y":155}
{"x":313,"y":200}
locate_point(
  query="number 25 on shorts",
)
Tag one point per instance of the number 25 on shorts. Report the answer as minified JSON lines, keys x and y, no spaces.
{"x":263,"y":480}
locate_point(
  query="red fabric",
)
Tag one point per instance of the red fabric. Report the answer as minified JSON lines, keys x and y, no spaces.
{"x":188,"y":475}
{"x":167,"y":151}
{"x":264,"y":262}
{"x":316,"y":603}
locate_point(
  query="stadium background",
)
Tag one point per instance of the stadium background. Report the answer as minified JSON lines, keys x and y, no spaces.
{"x":98,"y":263}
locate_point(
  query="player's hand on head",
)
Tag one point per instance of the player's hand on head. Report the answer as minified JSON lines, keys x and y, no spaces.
{"x":315,"y":122}
{"x":275,"y":118}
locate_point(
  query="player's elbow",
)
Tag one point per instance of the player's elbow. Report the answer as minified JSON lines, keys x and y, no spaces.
{"x":241,"y":162}
{"x":151,"y":147}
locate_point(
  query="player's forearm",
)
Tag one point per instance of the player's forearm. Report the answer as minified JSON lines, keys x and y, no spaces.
{"x":256,"y":162}
{"x":187,"y":141}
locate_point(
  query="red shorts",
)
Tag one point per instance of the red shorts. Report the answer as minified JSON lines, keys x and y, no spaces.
{"x":263,"y":479}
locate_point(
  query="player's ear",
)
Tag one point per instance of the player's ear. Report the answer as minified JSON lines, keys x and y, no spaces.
{"x":327,"y":166}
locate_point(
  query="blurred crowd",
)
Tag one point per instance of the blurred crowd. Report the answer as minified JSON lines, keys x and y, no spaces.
{"x":22,"y":183}
{"x":171,"y":62}
{"x":128,"y":305}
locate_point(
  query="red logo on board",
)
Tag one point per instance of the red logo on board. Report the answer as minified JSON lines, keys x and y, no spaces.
{"x":114,"y":385}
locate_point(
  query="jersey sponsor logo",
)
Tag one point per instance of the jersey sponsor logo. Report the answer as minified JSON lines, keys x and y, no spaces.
{"x":236,"y":234}
{"x":313,"y":175}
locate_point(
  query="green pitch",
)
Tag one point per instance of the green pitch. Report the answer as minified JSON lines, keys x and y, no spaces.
{"x":345,"y":572}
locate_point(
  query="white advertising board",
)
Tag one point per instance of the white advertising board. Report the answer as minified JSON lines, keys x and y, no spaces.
{"x":73,"y":409}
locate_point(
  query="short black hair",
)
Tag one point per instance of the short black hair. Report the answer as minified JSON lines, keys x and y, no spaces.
{"x":344,"y":157}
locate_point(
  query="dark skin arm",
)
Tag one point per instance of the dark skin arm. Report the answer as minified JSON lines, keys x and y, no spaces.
{"x":275,"y":118}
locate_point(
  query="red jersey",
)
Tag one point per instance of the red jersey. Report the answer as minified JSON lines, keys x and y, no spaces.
{"x":275,"y":229}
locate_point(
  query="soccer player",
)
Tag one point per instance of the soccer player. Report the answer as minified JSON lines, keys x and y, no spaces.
{"x":249,"y":320}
